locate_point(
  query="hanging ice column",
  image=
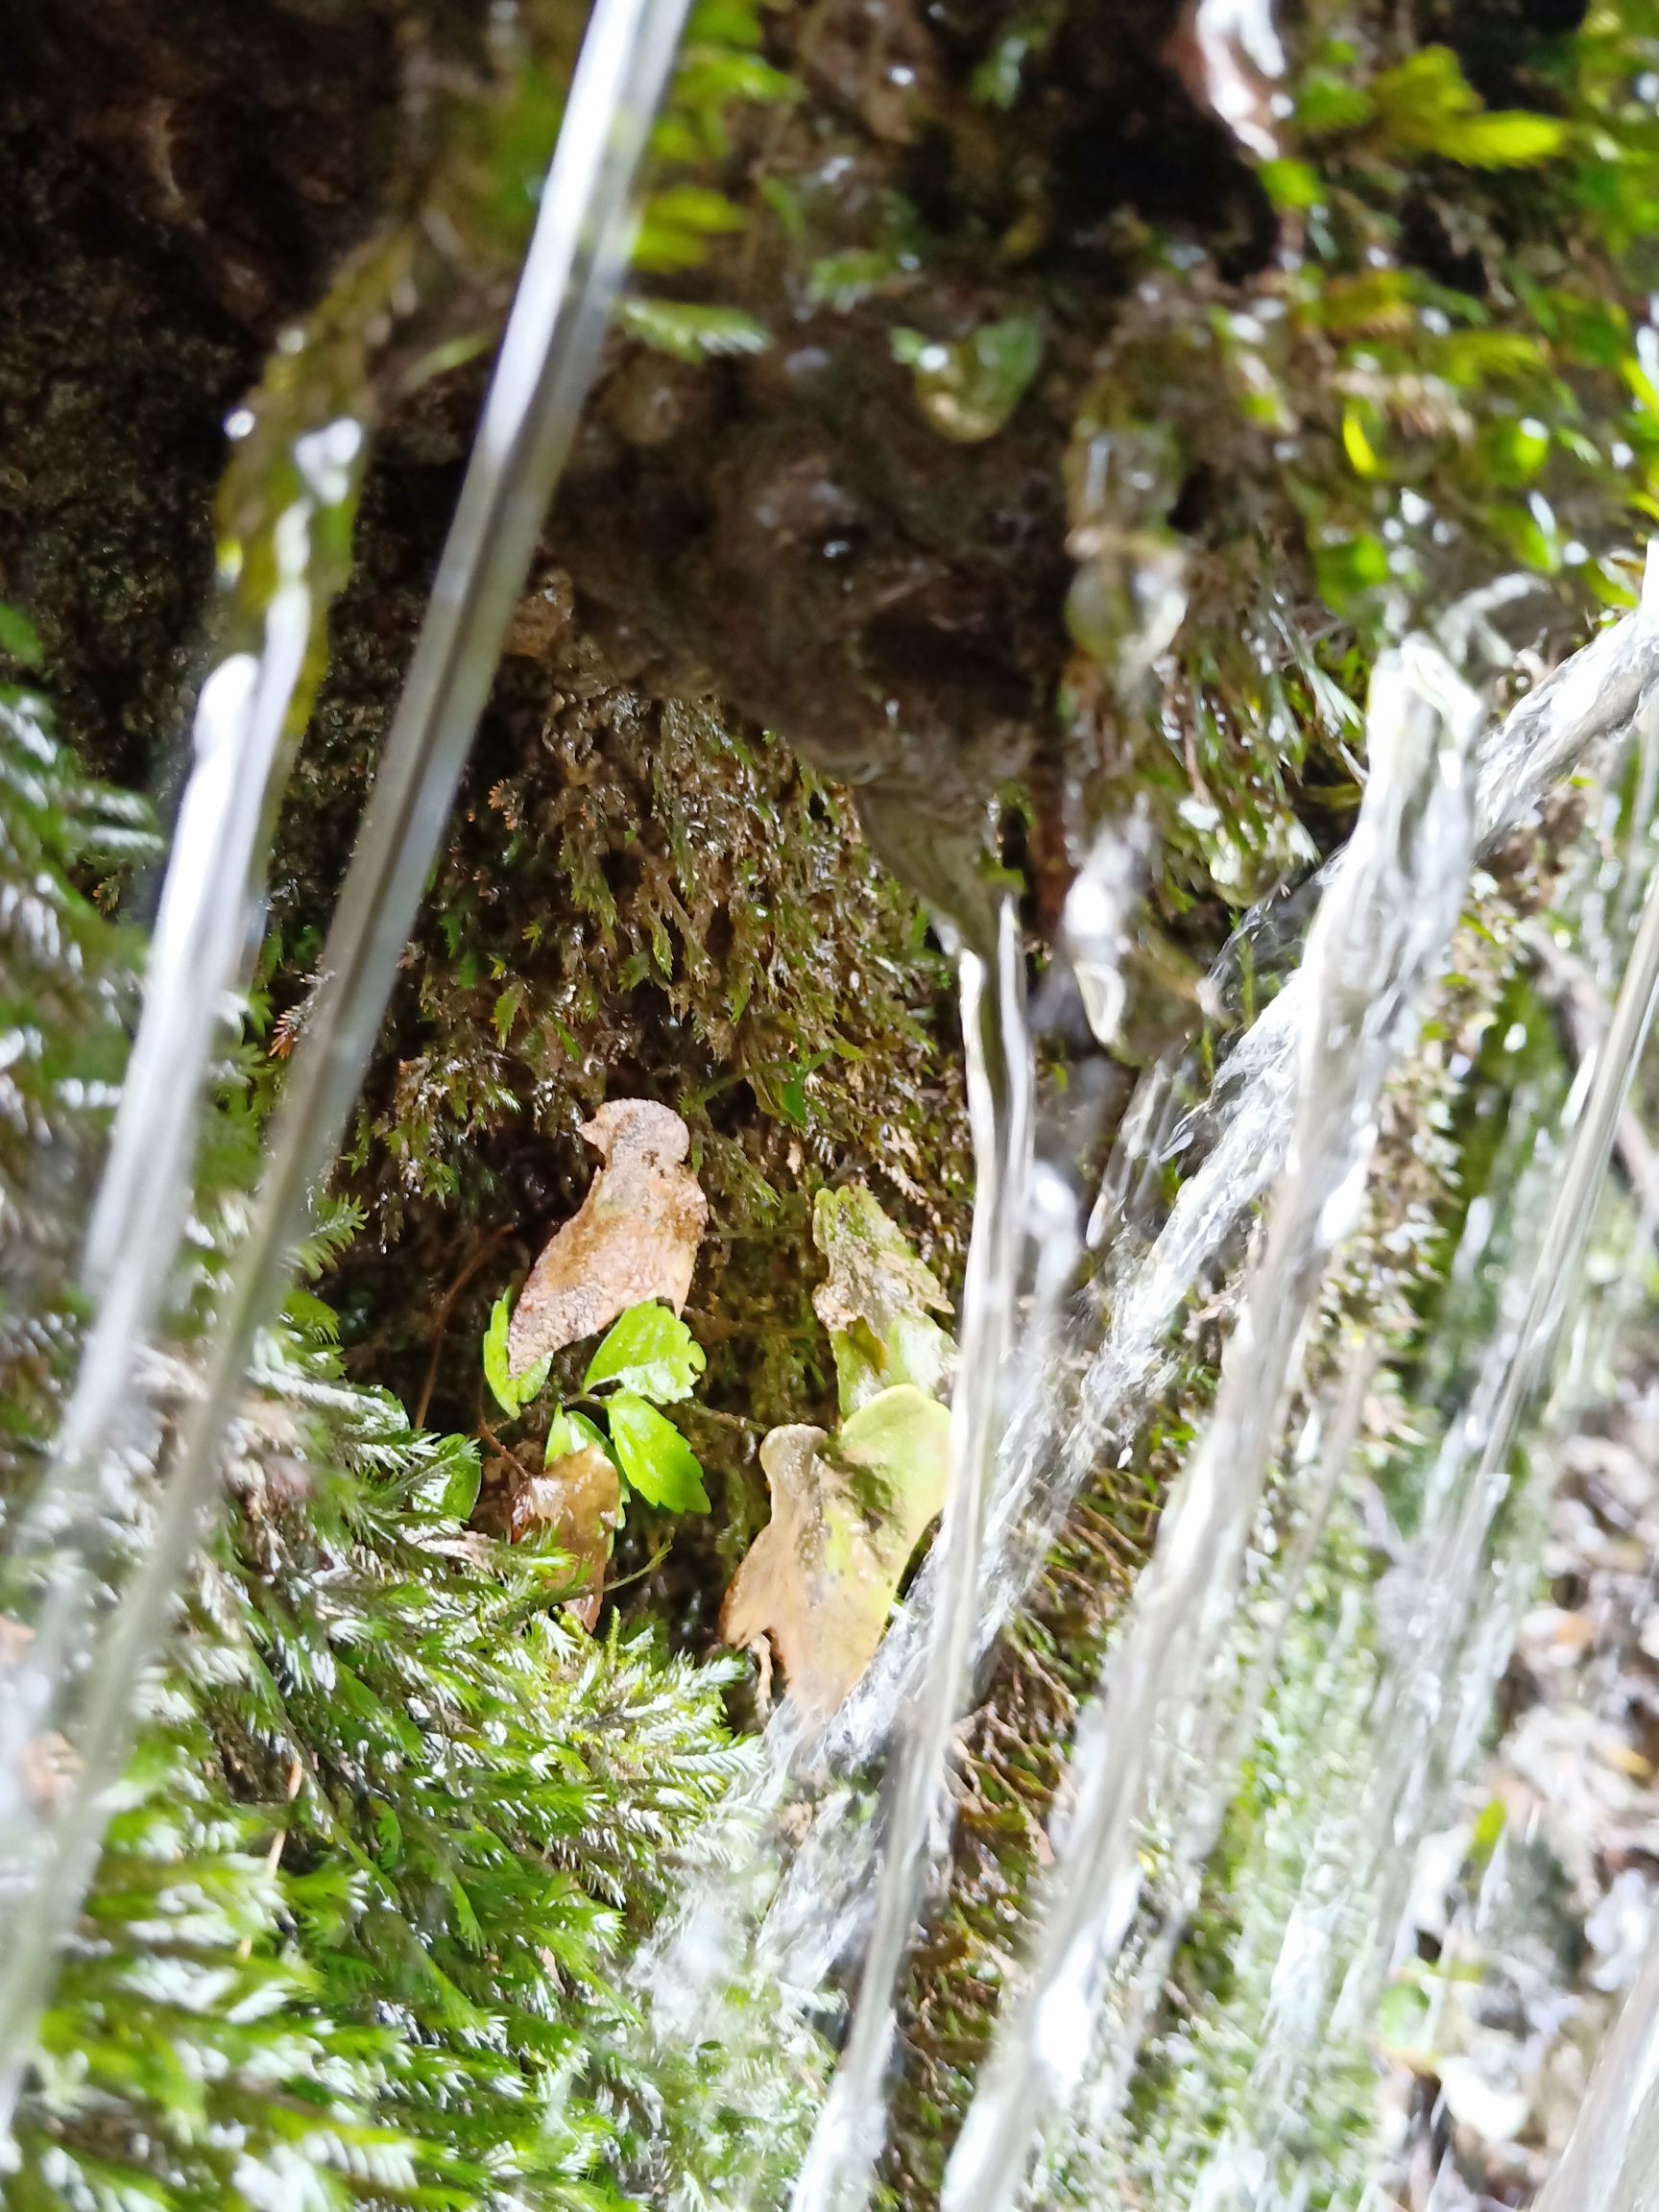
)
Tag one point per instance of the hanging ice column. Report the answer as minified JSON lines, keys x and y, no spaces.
{"x":1450,"y":1650}
{"x":243,"y":731}
{"x":1609,"y":2162}
{"x":548,"y":354}
{"x":69,"y":1542}
{"x":1057,"y":1431}
{"x":1383,"y":927}
{"x":835,"y":2175}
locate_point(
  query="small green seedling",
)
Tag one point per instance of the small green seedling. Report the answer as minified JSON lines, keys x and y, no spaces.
{"x":647,"y":1360}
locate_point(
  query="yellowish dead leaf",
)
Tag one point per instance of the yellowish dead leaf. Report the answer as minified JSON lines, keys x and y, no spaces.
{"x":579,"y":1499}
{"x":876,"y":1302}
{"x":847,"y":1513}
{"x":635,"y":1239}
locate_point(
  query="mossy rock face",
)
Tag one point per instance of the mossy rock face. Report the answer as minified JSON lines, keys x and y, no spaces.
{"x":638,"y":898}
{"x":1047,"y":360}
{"x":643,"y":894}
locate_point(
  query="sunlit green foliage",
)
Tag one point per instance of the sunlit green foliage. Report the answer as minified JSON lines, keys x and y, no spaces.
{"x":356,"y":1935}
{"x":647,"y":1360}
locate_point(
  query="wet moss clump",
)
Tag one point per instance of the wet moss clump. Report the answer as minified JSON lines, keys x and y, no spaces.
{"x":640,"y":897}
{"x":391,"y":1823}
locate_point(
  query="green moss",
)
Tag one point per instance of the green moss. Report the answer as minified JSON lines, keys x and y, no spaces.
{"x":640,"y":899}
{"x":390,"y":1824}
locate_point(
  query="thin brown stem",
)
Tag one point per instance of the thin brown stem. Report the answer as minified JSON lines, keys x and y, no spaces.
{"x":445,"y":1306}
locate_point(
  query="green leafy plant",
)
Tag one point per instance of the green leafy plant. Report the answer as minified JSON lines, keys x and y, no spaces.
{"x":969,"y":388}
{"x":356,"y":1931}
{"x":647,"y":1360}
{"x":1428,"y":106}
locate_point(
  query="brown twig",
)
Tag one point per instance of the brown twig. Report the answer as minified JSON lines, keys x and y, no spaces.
{"x":279,"y":1844}
{"x":445,"y":1306}
{"x":506,"y":1449}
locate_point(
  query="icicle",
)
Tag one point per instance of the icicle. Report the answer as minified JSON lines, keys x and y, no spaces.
{"x":244,"y":731}
{"x":1611,"y":2163}
{"x":1599,"y":2167}
{"x":1096,"y":922}
{"x":548,"y":354}
{"x":1595,"y":694}
{"x":1383,"y":923}
{"x":1218,"y":1767}
{"x":1518,"y":764}
{"x":1438,"y":1689}
{"x":837,"y":2175}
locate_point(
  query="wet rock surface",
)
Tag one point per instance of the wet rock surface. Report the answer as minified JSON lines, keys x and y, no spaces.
{"x":1533,"y":1912}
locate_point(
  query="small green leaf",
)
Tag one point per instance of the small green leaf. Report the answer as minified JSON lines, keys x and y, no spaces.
{"x":497,"y":1371}
{"x":695,"y":209}
{"x":1349,"y":567}
{"x":1403,"y":2017}
{"x":1292,"y":185}
{"x":969,"y":387}
{"x":574,"y":1432}
{"x":1428,"y":104}
{"x":900,"y":1442}
{"x":19,"y":638}
{"x":506,"y":1011}
{"x":512,"y":1392}
{"x":875,"y":1303}
{"x":785,"y":205}
{"x":723,"y":23}
{"x":655,"y":1457}
{"x":996,"y":81}
{"x":690,"y":332}
{"x":846,"y":280}
{"x":1488,"y":1833}
{"x":1511,"y":139}
{"x":650,"y":1351}
{"x":1329,"y":101}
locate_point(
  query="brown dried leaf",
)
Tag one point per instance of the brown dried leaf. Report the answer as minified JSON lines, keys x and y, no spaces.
{"x":636,"y":1237}
{"x":820,"y":1579}
{"x":873,"y":1277}
{"x":579,"y":1498}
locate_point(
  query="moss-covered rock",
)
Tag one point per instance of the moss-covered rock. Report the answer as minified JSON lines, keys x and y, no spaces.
{"x":392,"y":1823}
{"x":639,"y":899}
{"x":1031,"y":396}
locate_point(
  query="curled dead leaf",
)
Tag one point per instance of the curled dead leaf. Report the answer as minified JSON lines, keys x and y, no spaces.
{"x":847,"y":1513}
{"x":578,"y":1498}
{"x":635,"y":1238}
